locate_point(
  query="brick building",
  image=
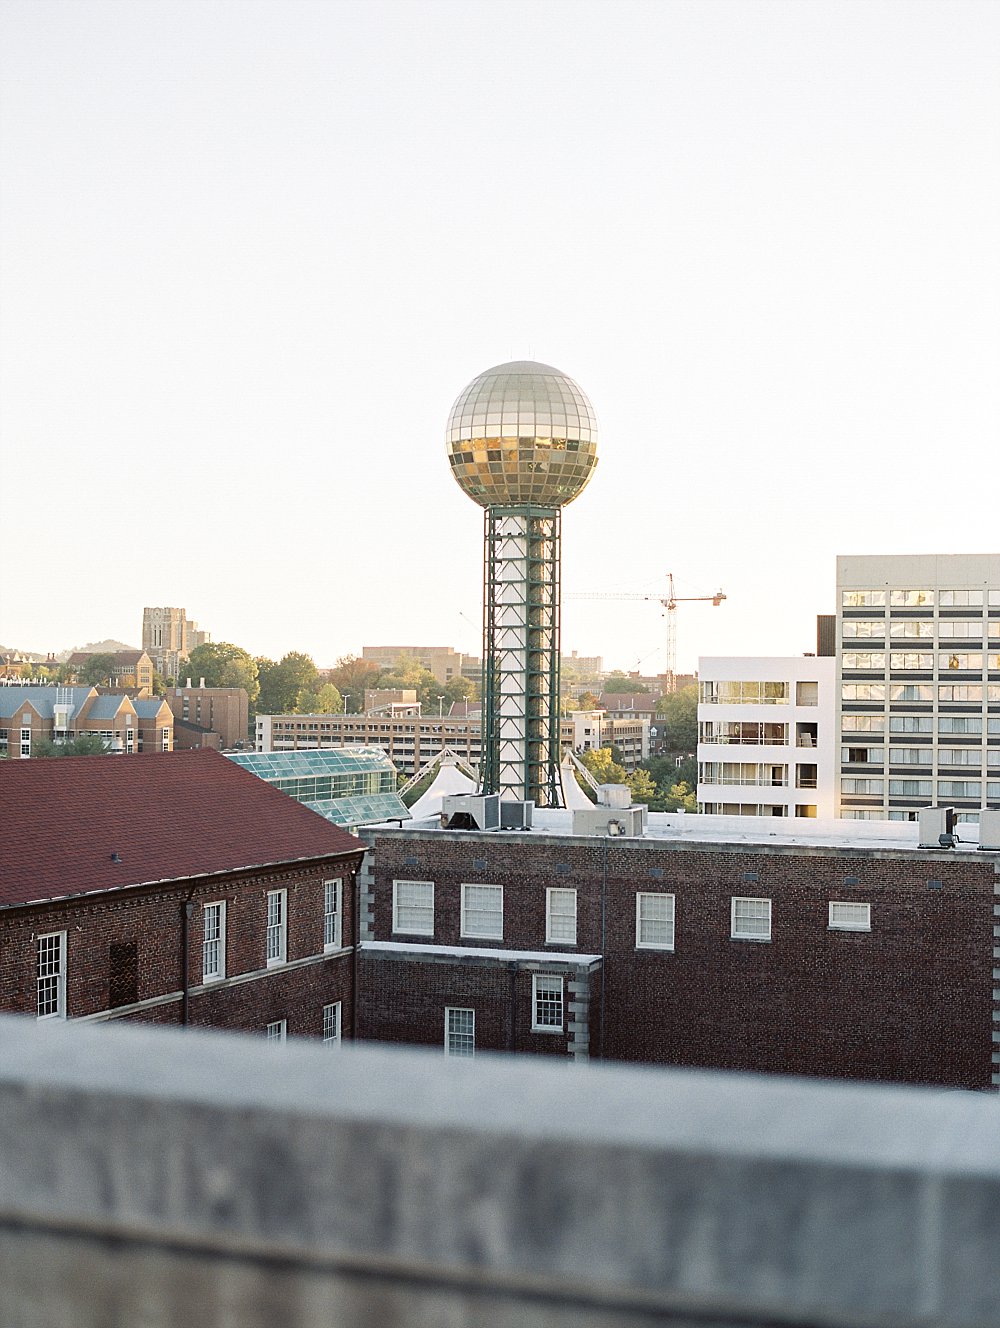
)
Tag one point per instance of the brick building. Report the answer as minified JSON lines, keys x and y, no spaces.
{"x":209,"y":716}
{"x":32,"y":713}
{"x":175,"y":890}
{"x":704,"y":942}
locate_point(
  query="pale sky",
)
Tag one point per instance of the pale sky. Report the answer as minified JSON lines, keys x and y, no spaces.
{"x":251,"y":252}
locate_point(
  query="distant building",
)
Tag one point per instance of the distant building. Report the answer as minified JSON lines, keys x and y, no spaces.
{"x":581,"y":668}
{"x":408,"y":738}
{"x":60,"y":714}
{"x":444,"y":662}
{"x":131,"y":668}
{"x":918,"y":684}
{"x":766,"y":736}
{"x":174,"y":890}
{"x":590,"y":730}
{"x":168,"y":637}
{"x":209,"y":716}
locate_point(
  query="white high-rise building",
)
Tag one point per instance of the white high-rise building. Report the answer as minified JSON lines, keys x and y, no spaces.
{"x":766,"y":736}
{"x":918,"y":684}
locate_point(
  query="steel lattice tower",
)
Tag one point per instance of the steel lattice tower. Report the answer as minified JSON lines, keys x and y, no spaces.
{"x":522,"y":441}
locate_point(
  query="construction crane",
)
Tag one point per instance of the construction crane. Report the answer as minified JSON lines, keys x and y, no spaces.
{"x":669,"y":602}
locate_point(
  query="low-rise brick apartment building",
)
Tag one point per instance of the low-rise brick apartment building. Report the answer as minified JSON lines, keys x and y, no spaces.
{"x":813,"y":951}
{"x":127,"y":725}
{"x":175,"y":890}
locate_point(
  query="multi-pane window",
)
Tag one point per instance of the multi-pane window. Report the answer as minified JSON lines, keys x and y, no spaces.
{"x":744,"y":693}
{"x":846,"y":916}
{"x":862,"y":691}
{"x":911,"y":659}
{"x":962,"y":691}
{"x":960,"y":724}
{"x":278,"y":1031}
{"x":863,"y":599}
{"x":863,"y":723}
{"x":960,"y":756}
{"x":213,"y":946}
{"x":277,"y":926}
{"x":25,"y":742}
{"x":960,"y":599}
{"x":331,"y":1023}
{"x":560,"y":915}
{"x":332,"y":915}
{"x":864,"y":659}
{"x":751,"y":919}
{"x":911,"y":691}
{"x":910,"y":599}
{"x":547,"y":1003}
{"x":960,"y":659}
{"x":914,"y":629}
{"x":960,"y":788}
{"x":413,"y":907}
{"x":961,"y":629}
{"x":910,"y":755}
{"x":51,"y":975}
{"x":911,"y":724}
{"x":459,"y":1031}
{"x":864,"y":629}
{"x":909,"y":788}
{"x":654,"y":921}
{"x":165,"y":739}
{"x":868,"y":787}
{"x":482,"y":911}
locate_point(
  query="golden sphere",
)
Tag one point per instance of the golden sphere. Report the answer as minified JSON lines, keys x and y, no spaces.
{"x":522,"y":434}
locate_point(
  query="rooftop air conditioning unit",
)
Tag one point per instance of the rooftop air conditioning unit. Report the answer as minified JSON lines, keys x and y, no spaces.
{"x":936,"y":824}
{"x":989,"y":830}
{"x":614,"y":795}
{"x":516,"y":815}
{"x":470,"y":811}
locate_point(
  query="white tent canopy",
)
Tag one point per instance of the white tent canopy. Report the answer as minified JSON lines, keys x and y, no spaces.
{"x":575,"y":796}
{"x":449,"y":779}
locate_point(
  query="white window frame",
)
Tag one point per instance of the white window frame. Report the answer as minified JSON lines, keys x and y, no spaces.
{"x":333,"y":916}
{"x":332,"y":1017}
{"x":459,"y":1031}
{"x":641,"y":897}
{"x":277,"y":928}
{"x":277,"y":1031}
{"x":50,"y":977}
{"x":543,"y":988}
{"x":749,"y":916}
{"x":560,"y":923}
{"x":424,"y":928}
{"x":842,"y":922}
{"x":213,"y":944}
{"x":473,"y":919}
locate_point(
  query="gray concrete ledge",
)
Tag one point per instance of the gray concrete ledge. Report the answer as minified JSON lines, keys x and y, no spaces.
{"x":173,"y":1178}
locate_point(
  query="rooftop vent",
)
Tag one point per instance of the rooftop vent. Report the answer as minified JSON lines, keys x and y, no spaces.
{"x":470,"y":811}
{"x":936,"y":824}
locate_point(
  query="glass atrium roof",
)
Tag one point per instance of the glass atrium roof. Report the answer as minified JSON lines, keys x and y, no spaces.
{"x":349,"y":787}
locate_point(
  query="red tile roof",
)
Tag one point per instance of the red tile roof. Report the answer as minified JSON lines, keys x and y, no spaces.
{"x":168,"y":815}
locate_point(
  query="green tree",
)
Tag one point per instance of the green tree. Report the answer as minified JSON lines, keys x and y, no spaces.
{"x":281,"y":683}
{"x":681,"y":798}
{"x":642,"y":786}
{"x":324,"y":700}
{"x":620,"y":684}
{"x":222,"y":664}
{"x":96,"y":669}
{"x":86,"y":744}
{"x":679,"y":713}
{"x":459,"y":689}
{"x":352,"y":675}
{"x":589,"y":701}
{"x":605,"y":770}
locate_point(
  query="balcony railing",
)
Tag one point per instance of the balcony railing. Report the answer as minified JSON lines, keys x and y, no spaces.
{"x":170,"y":1179}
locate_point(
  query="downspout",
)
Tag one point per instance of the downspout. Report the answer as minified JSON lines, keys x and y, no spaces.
{"x":356,"y":939}
{"x":604,"y":942}
{"x":512,"y":1021}
{"x":187,"y":913}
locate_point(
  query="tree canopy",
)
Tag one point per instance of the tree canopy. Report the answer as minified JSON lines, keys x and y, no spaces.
{"x":96,"y":669}
{"x":85,"y":744}
{"x":679,"y":712}
{"x":281,"y":683}
{"x":323,"y":700}
{"x":619,"y":683}
{"x":222,"y":664}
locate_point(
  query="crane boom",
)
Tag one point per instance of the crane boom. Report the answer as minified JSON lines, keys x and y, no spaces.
{"x":669,"y":602}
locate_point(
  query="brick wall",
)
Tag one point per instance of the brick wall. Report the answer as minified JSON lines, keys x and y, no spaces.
{"x":910,"y":1000}
{"x":150,"y":920}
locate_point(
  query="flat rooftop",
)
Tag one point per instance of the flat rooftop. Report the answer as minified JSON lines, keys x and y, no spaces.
{"x":763,"y":831}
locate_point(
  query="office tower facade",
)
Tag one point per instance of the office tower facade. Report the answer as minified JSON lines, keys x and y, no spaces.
{"x":918,"y":684}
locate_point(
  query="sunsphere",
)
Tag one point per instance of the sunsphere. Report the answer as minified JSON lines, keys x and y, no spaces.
{"x":522,"y":434}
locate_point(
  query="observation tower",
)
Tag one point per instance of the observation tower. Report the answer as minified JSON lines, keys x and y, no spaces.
{"x":522,"y":442}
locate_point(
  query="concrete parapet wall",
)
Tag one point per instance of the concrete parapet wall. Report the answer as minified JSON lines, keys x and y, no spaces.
{"x":175,"y":1178}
